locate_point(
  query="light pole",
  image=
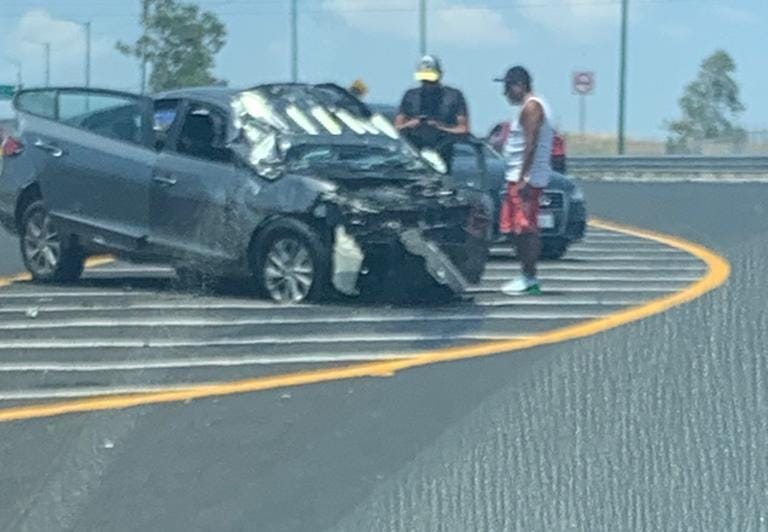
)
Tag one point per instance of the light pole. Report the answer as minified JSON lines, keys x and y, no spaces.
{"x":623,"y":76}
{"x":423,"y":27}
{"x":47,"y":46}
{"x":294,"y":41}
{"x":87,"y":29}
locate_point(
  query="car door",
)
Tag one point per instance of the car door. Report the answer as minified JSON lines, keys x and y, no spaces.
{"x":96,"y":163}
{"x":468,"y":165}
{"x":193,"y":179}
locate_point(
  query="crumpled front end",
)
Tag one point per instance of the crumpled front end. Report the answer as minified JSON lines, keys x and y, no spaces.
{"x":408,"y":235}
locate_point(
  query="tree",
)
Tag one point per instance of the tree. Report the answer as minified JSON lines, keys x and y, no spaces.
{"x":710,"y":107}
{"x":179,"y":43}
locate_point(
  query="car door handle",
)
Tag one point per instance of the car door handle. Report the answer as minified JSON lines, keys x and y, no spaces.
{"x":52,"y":149}
{"x":168,"y":181}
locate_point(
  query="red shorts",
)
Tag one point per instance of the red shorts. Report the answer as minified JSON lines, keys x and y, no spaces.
{"x":520,"y":209}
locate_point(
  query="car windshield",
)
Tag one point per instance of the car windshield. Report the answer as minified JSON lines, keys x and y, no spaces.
{"x":355,"y":157}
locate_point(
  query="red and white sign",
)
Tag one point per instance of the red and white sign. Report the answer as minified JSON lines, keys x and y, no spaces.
{"x":583,"y":82}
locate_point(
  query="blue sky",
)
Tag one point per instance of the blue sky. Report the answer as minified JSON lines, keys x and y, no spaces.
{"x":476,"y":39}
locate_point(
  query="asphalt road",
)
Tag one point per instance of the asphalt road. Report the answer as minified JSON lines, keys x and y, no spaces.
{"x":10,"y":257}
{"x":124,"y":329}
{"x":659,"y":425}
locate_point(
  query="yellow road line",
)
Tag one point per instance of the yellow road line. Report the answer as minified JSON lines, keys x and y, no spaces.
{"x":718,"y":271}
{"x":92,"y":262}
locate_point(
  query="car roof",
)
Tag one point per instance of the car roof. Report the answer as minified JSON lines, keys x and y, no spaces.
{"x":215,"y":95}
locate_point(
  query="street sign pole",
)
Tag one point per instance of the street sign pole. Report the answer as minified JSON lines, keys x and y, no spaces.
{"x":583,"y":85}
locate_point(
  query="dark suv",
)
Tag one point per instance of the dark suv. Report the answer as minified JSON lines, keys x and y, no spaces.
{"x":300,"y":186}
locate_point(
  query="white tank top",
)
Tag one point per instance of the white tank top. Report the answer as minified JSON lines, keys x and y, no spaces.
{"x":514,"y":149}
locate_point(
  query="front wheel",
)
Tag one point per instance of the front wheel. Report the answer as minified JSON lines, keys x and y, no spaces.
{"x":291,"y":263}
{"x":45,"y":255}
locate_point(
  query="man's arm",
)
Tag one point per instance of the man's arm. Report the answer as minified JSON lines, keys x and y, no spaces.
{"x":531,"y":120}
{"x":462,"y":119}
{"x":461,"y":127}
{"x":403,"y":121}
{"x":405,"y":118}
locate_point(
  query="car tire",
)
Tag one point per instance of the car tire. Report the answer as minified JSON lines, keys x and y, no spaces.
{"x":290,"y":263}
{"x":554,"y":249}
{"x":45,"y":255}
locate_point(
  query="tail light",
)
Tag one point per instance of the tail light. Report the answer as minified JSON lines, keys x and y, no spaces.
{"x":12,"y":146}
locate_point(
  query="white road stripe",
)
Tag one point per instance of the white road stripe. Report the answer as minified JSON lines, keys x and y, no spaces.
{"x":43,"y":309}
{"x":599,"y":253}
{"x":158,"y":323}
{"x":603,"y":278}
{"x":10,"y":294}
{"x":595,"y":288}
{"x":599,"y":258}
{"x":626,"y":249}
{"x":123,"y":269}
{"x":335,"y":320}
{"x":105,"y":343}
{"x":196,"y":362}
{"x":552,"y":267}
{"x":92,"y":391}
{"x":501,"y":300}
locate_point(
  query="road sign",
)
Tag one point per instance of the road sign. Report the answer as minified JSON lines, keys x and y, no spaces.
{"x":583,"y":82}
{"x":7,"y":91}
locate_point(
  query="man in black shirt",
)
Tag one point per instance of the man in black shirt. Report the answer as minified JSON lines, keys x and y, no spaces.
{"x":432,"y":113}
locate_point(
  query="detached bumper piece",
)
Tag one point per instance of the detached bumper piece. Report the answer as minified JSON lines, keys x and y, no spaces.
{"x":437,"y":263}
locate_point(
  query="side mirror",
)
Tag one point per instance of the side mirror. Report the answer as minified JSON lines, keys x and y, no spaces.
{"x":435,"y":160}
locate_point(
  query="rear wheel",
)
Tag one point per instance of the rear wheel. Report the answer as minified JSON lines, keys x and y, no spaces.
{"x":45,"y":255}
{"x":291,"y":263}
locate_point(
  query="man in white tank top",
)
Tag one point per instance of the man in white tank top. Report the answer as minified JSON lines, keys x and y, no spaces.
{"x":528,"y":154}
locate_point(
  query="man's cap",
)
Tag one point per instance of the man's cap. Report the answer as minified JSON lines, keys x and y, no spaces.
{"x":515,"y":75}
{"x":429,"y":69}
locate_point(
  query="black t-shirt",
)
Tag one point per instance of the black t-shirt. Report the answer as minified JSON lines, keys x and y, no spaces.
{"x":444,"y":104}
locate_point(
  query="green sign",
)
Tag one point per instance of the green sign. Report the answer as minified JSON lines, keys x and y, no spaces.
{"x":7,"y":91}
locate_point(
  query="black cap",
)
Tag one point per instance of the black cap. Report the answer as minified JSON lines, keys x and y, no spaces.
{"x":515,"y":75}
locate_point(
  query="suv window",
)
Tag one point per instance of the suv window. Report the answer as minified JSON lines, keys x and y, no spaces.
{"x":113,"y":116}
{"x":40,"y":103}
{"x":203,"y":134}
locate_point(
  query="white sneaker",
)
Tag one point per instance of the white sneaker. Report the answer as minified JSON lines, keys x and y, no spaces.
{"x":522,"y":286}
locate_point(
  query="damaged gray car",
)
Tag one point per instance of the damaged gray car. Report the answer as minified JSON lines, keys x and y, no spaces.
{"x":300,"y":187}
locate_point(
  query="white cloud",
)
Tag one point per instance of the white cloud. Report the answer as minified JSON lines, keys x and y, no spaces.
{"x":23,"y":43}
{"x":450,"y":22}
{"x":734,"y":14}
{"x":579,"y":19}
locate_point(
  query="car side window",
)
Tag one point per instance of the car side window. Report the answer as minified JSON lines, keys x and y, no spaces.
{"x":40,"y":103}
{"x":203,"y":134}
{"x":113,"y":116}
{"x":166,"y":114}
{"x":468,"y":168}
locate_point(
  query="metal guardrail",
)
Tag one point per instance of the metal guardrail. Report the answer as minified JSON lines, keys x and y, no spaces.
{"x":670,"y":165}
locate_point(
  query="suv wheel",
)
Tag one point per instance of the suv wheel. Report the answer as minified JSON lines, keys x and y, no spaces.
{"x":291,"y":265}
{"x":46,"y":257}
